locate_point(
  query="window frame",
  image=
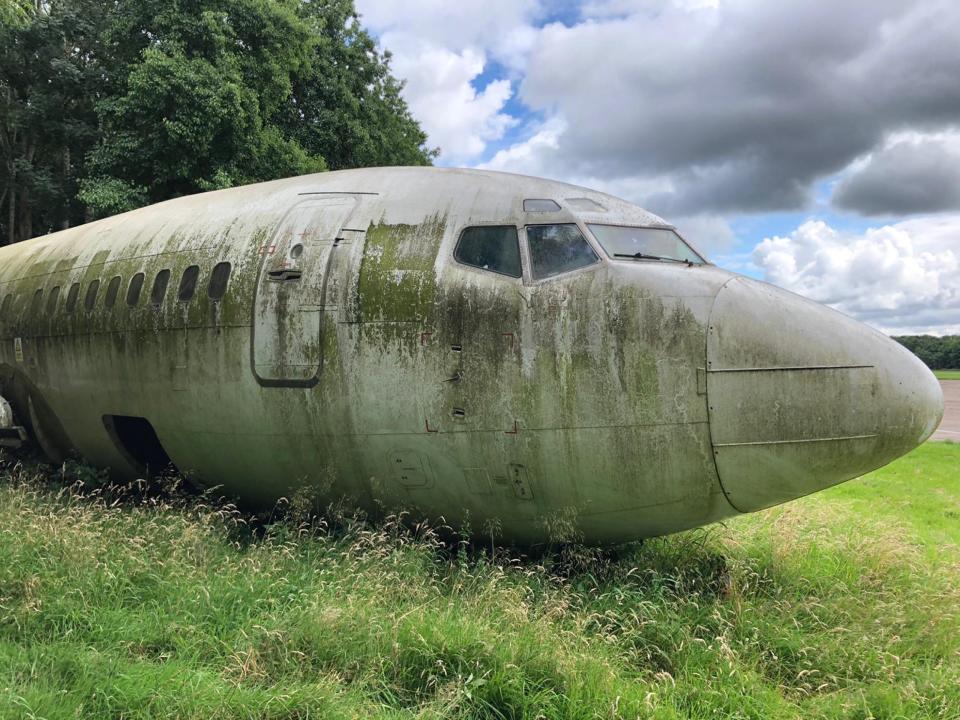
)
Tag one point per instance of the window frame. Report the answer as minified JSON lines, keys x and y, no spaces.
{"x":529,"y":279}
{"x":607,"y":256}
{"x":486,"y":271}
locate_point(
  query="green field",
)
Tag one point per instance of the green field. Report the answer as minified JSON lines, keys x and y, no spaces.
{"x":842,"y":605}
{"x":947,"y":374}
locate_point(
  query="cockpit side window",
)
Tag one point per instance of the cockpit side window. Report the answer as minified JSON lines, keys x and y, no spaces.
{"x":493,"y":247}
{"x":556,"y":249}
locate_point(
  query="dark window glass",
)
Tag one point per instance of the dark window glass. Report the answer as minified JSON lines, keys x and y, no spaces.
{"x":5,"y":308}
{"x":491,"y":248}
{"x":52,"y":300}
{"x":136,"y":287}
{"x":36,"y":302}
{"x":535,"y":205}
{"x":557,"y":249}
{"x":72,"y":296}
{"x":188,"y":283}
{"x":218,"y":281}
{"x":113,"y":289}
{"x":160,"y":288}
{"x":91,"y":297}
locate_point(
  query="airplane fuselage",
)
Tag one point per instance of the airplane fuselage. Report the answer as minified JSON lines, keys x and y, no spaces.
{"x":375,"y":337}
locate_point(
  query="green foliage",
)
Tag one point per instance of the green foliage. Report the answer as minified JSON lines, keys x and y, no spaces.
{"x":110,"y":106}
{"x":15,"y":13}
{"x":50,"y":77}
{"x":841,"y":605}
{"x":939,"y":353}
{"x":947,"y":374}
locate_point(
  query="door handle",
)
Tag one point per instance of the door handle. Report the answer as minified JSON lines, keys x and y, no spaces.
{"x":284,"y":275}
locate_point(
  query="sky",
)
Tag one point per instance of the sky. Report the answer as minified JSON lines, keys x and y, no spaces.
{"x":811,"y":144}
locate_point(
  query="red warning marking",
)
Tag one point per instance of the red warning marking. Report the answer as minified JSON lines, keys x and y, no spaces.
{"x":425,"y":337}
{"x":268,"y":249}
{"x":511,"y":336}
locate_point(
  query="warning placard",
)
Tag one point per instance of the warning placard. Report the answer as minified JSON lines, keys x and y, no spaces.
{"x":18,"y":349}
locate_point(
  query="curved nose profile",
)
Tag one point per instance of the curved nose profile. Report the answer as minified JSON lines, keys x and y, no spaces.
{"x":802,"y":397}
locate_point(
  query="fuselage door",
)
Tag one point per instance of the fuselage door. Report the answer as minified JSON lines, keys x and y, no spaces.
{"x":288,"y":309}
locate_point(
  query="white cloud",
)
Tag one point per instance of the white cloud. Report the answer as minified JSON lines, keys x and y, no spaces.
{"x":456,"y":116}
{"x":501,"y":28}
{"x":533,"y":155}
{"x":901,"y":278}
{"x":440,"y":48}
{"x":745,"y":103}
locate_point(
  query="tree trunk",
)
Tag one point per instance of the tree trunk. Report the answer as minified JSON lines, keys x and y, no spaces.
{"x":12,"y":216}
{"x":66,"y":179}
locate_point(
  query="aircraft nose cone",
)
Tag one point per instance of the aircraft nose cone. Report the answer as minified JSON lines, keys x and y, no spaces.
{"x":802,"y":397}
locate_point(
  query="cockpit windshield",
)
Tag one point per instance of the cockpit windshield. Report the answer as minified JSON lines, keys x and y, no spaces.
{"x":644,"y":243}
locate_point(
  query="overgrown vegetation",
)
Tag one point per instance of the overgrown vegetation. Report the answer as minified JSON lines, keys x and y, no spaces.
{"x":107,"y":106}
{"x":147,"y":604}
{"x":939,"y":353}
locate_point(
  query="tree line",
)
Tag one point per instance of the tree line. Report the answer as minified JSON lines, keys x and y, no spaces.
{"x":106,"y":106}
{"x":939,"y":353}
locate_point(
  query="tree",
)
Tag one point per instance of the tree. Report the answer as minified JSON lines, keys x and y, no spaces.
{"x":110,"y":106}
{"x":48,"y":86}
{"x":345,"y":104}
{"x":939,"y":353}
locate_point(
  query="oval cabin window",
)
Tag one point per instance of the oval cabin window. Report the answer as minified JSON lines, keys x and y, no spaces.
{"x":52,"y":300}
{"x":72,"y":296}
{"x":219,"y":279}
{"x":136,"y":287}
{"x":188,"y":283}
{"x":90,"y":300}
{"x":113,"y":289}
{"x":160,"y":288}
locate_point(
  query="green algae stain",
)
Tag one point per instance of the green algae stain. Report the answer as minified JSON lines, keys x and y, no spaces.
{"x":397,"y":282}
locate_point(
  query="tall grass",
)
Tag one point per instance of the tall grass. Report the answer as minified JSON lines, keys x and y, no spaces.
{"x":153,"y":604}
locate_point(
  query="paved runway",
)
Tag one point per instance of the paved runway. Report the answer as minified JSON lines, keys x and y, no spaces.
{"x":950,"y":427}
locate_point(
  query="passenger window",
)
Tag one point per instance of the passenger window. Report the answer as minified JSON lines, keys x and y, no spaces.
{"x":72,"y":296}
{"x":36,"y":302}
{"x":188,"y":283}
{"x":218,"y":281}
{"x":5,"y":308}
{"x":136,"y":287}
{"x":494,"y":248}
{"x":52,"y":300}
{"x":535,"y":205}
{"x":160,"y":288}
{"x":113,"y":289}
{"x":91,"y":297}
{"x":557,"y":249}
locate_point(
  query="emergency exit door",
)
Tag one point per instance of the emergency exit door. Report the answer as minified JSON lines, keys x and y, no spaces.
{"x":288,"y":306}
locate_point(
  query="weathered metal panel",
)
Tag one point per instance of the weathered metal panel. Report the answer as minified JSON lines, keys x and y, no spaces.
{"x":802,"y":397}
